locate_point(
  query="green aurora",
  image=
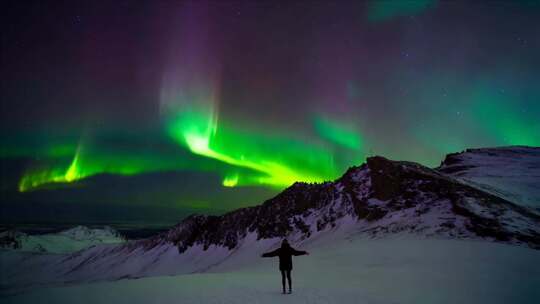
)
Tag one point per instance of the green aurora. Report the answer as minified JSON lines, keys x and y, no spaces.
{"x":248,"y":158}
{"x":201,"y":140}
{"x":202,"y":90}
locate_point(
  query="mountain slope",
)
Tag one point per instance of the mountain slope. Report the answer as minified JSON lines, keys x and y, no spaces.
{"x":381,"y":196}
{"x":512,"y":173}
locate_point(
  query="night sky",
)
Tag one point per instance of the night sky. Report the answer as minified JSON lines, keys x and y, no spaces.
{"x":147,"y":111}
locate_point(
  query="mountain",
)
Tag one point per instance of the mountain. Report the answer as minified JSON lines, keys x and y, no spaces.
{"x":66,"y":241}
{"x":379,"y":199}
{"x":512,"y":173}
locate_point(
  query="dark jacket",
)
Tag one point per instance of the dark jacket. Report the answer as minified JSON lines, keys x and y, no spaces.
{"x":285,"y":253}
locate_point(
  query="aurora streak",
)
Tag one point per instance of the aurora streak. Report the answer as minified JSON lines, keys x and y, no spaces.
{"x":203,"y":105}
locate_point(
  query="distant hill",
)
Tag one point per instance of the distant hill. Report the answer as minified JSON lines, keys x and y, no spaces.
{"x":66,"y":241}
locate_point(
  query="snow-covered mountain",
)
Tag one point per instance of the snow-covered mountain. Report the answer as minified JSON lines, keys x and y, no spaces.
{"x":512,"y":173}
{"x":375,"y":199}
{"x":66,"y":241}
{"x":380,"y":199}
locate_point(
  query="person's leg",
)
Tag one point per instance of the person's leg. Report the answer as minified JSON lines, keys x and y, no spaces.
{"x":289,"y":279}
{"x":283,"y":280}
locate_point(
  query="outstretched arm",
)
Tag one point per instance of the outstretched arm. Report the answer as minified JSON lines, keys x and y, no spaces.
{"x":270,"y":254}
{"x":299,"y":252}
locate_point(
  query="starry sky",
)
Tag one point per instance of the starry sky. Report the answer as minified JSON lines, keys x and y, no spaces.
{"x":147,"y":111}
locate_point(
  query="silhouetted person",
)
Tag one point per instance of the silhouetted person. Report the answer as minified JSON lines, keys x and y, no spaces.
{"x":285,"y":253}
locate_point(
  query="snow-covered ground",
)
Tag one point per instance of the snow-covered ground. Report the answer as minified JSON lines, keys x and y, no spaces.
{"x":66,"y":241}
{"x":353,"y":270}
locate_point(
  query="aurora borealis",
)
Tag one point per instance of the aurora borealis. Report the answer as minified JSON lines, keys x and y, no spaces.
{"x":222,"y":104}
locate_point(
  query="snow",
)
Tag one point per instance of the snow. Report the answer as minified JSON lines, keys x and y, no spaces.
{"x":404,"y":270}
{"x":512,"y":173}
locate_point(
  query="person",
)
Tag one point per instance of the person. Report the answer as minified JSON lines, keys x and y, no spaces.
{"x":285,"y":253}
